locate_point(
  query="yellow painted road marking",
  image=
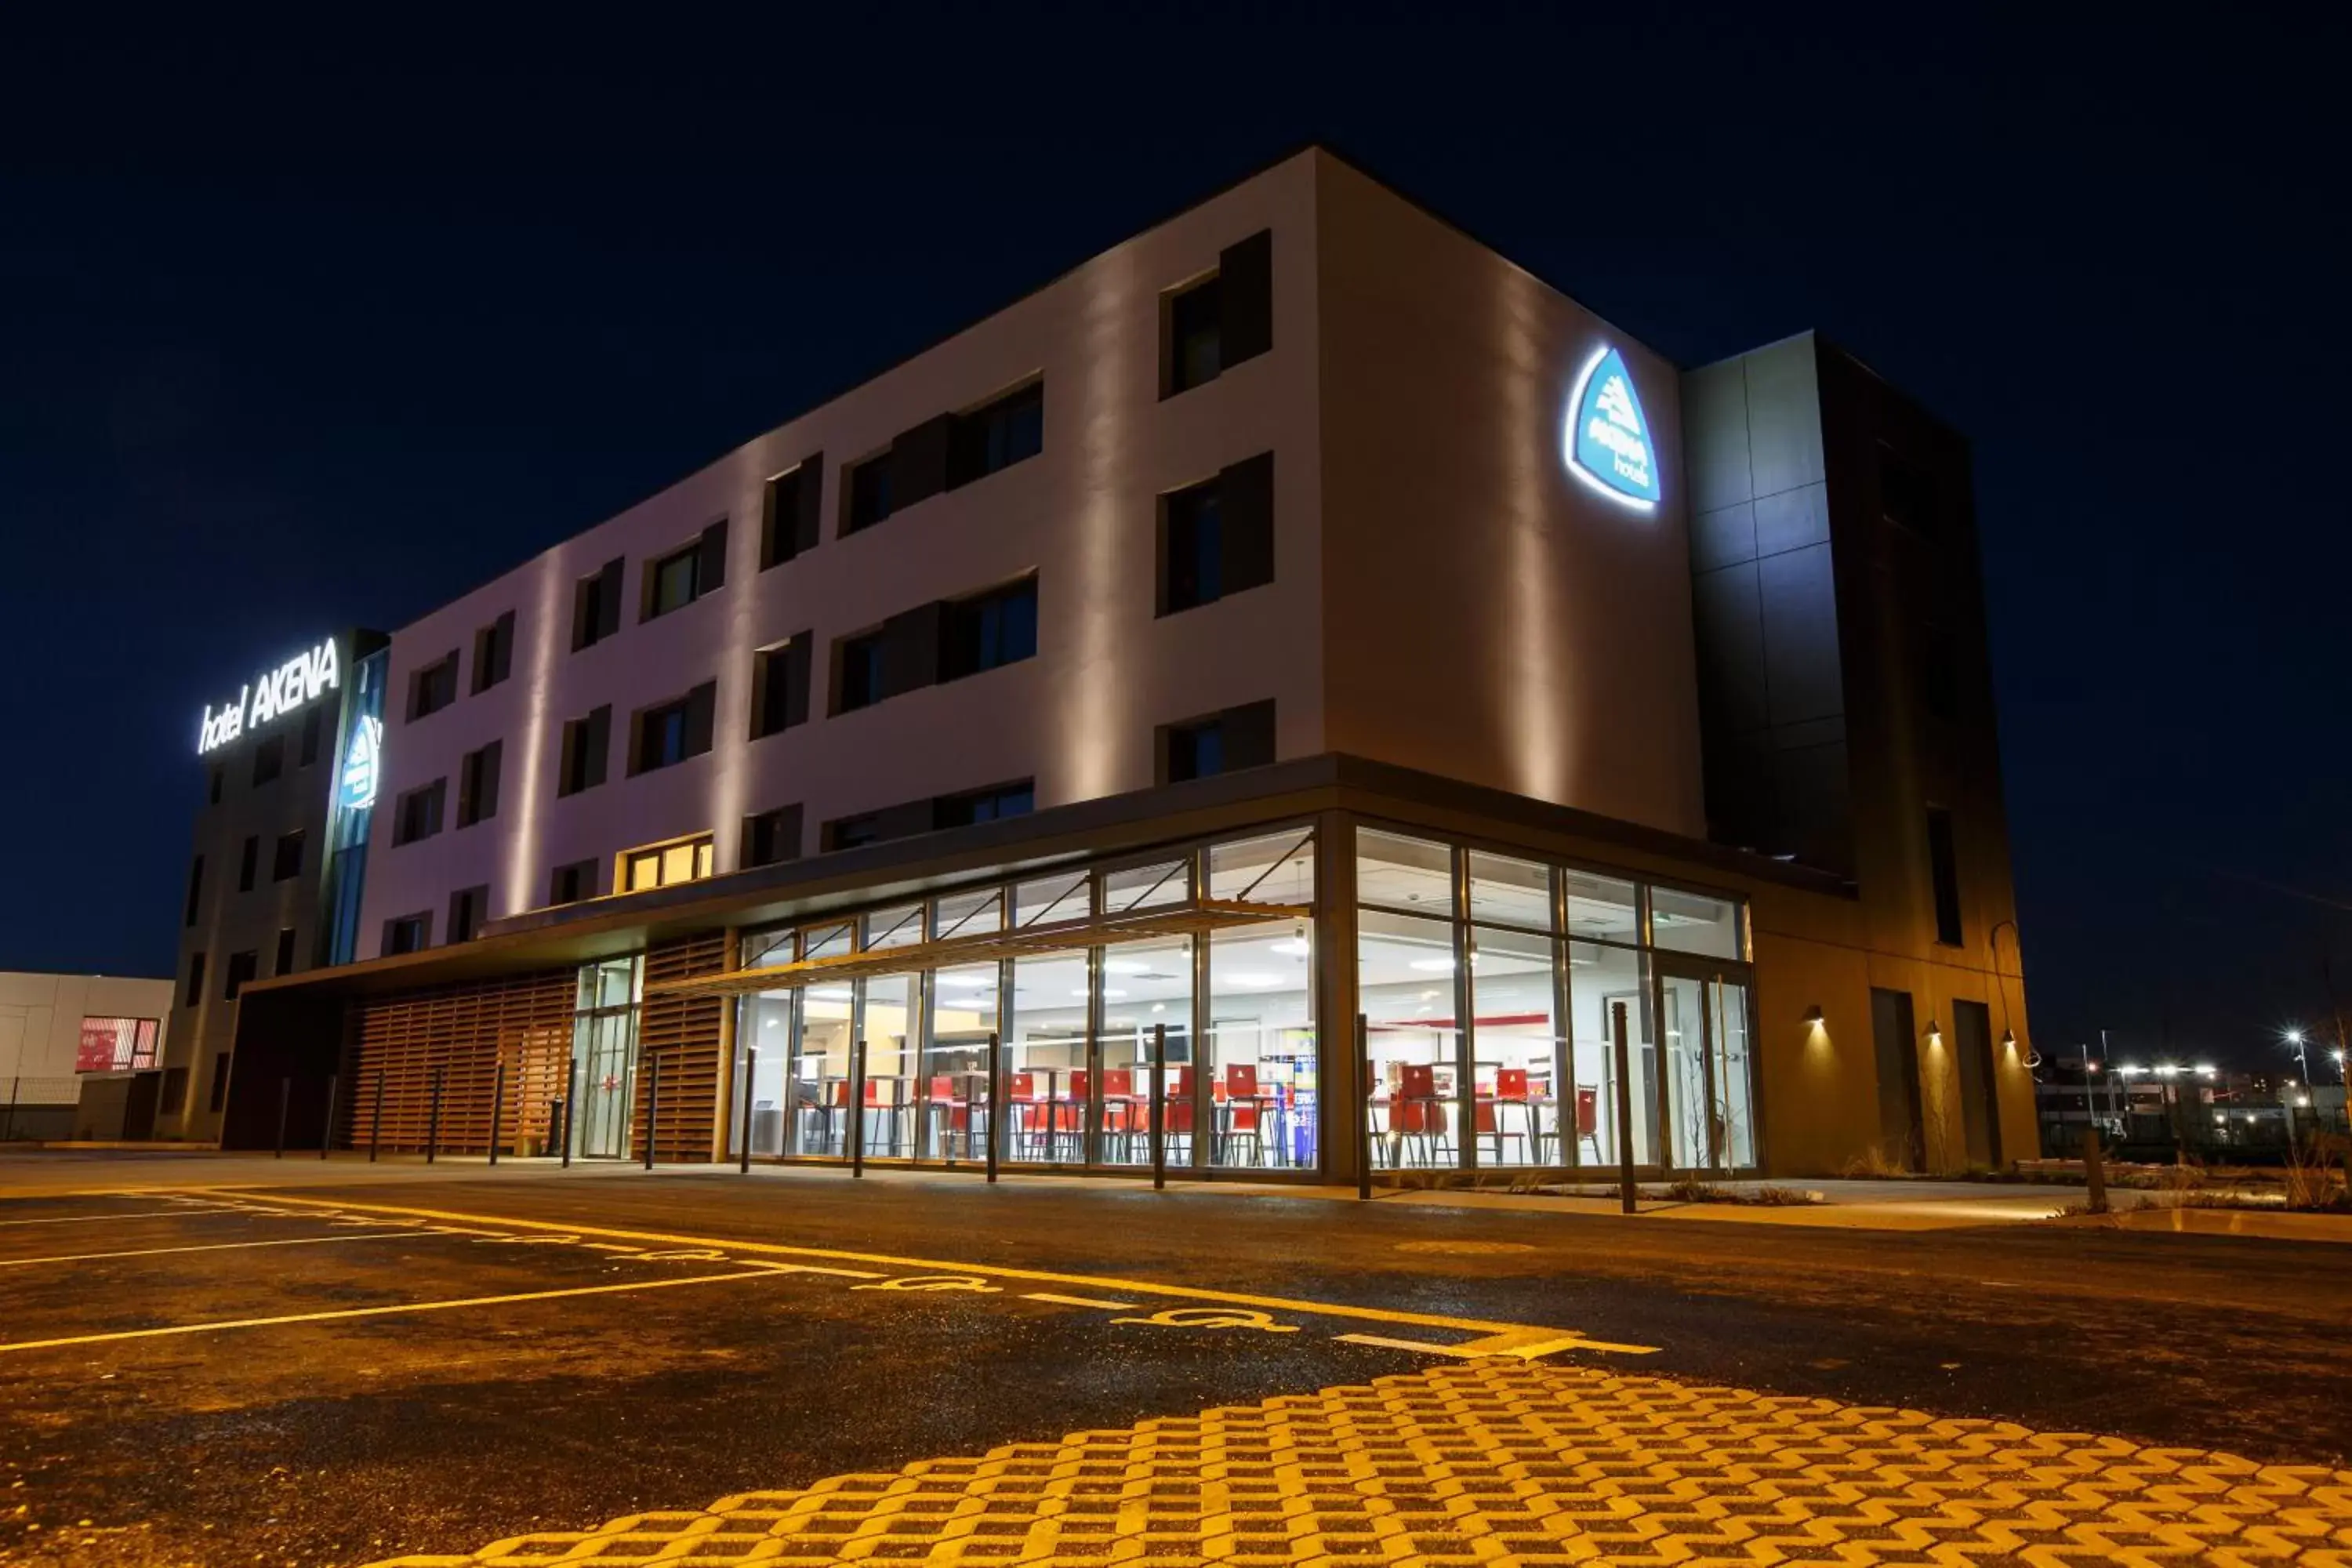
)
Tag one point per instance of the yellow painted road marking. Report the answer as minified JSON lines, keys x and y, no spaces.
{"x":385,"y":1311}
{"x":206,"y":1247}
{"x":1076,"y":1300}
{"x":111,"y":1219}
{"x":1041,"y":1275}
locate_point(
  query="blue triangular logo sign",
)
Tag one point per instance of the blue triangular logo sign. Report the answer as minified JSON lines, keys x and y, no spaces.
{"x":1607,"y":442}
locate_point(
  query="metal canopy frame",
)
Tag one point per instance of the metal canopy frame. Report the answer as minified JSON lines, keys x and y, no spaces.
{"x":1194,"y":916}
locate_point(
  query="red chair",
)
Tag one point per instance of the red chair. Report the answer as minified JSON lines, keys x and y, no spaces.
{"x":1588,"y":1119}
{"x":1419,"y":1115}
{"x":1240,"y":1105}
{"x":1122,"y":1114}
{"x":1179,"y":1116}
{"x":1510,"y":1089}
{"x":1021,"y":1097}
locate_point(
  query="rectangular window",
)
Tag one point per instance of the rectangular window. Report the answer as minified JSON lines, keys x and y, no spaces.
{"x":218,"y":1096}
{"x":985,"y":806}
{"x":417,"y":813}
{"x":861,"y":672}
{"x":1944,"y":865}
{"x":586,"y":744}
{"x":407,"y":933}
{"x":248,"y":864}
{"x":779,"y":686}
{"x":196,"y":991}
{"x":670,"y":732}
{"x":268,"y":760}
{"x":469,"y":907}
{"x":1216,"y":538}
{"x":1237,"y":737}
{"x":174,"y":1092}
{"x":1216,"y":322}
{"x":196,"y":891}
{"x":1939,"y":672}
{"x":684,"y":576}
{"x":570,"y":884}
{"x":478,"y":784}
{"x":286,"y":860}
{"x":989,"y":629}
{"x":242,"y":968}
{"x":596,"y":605}
{"x":788,"y":514}
{"x":214,"y":789}
{"x":771,"y":836}
{"x":866,"y":493}
{"x":665,"y":865}
{"x":115,"y":1045}
{"x":285,"y":965}
{"x":311,"y":723}
{"x":906,"y":820}
{"x":998,"y":435}
{"x":432,"y":688}
{"x":494,"y":652}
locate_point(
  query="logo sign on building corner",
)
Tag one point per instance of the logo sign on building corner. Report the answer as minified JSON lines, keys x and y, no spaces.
{"x":272,"y":692}
{"x":363,"y":764}
{"x":1606,"y":443}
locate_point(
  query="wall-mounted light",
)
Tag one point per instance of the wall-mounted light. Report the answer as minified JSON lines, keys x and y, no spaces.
{"x":1934,"y":1032}
{"x":1814,"y":1015}
{"x":2009,"y":1040}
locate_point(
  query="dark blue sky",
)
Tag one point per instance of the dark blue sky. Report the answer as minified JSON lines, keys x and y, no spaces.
{"x":312,"y":329}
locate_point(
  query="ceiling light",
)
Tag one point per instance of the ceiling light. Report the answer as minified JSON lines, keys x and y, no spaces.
{"x":1291,"y":947}
{"x":1433,"y":966}
{"x":1249,"y":977}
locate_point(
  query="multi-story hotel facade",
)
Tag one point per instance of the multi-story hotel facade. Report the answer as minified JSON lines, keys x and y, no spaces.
{"x":1297,"y":681}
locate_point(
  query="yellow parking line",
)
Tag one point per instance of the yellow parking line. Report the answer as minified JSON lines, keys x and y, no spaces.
{"x":383,"y":1311}
{"x":111,"y":1218}
{"x":1076,"y":1300}
{"x":1047,"y":1277}
{"x":207,"y":1246}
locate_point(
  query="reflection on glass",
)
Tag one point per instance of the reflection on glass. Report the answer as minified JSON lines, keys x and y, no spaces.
{"x":1147,"y":886}
{"x":1263,"y":1098}
{"x":1504,"y":892}
{"x":1278,"y":869}
{"x":969,"y":914}
{"x":820,"y":1083}
{"x":1515,"y":1112}
{"x":1735,"y":1090}
{"x":893,"y":928}
{"x":604,"y":1058}
{"x":1401,"y":873}
{"x":886,"y":1024}
{"x":955,"y":1063}
{"x":1600,"y":978}
{"x":764,"y":1035}
{"x":1049,"y":901}
{"x":1045,"y":1046}
{"x":1601,"y":909}
{"x":1693,"y":922}
{"x":1145,"y":984}
{"x":1690,"y":1102}
{"x":1405,"y":980}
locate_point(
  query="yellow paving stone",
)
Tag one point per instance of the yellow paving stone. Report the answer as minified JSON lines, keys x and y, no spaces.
{"x":1503,"y":1463}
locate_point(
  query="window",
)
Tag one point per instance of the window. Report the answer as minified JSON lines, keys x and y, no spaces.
{"x":570,"y":884}
{"x":268,"y":760}
{"x":867,"y":493}
{"x":771,"y":836}
{"x":596,"y":605}
{"x":286,"y":860}
{"x":586,"y":742}
{"x":861,"y":672}
{"x":195,"y":889}
{"x":989,"y":629}
{"x":469,"y":907}
{"x":1201,"y":748}
{"x":494,"y":652}
{"x":218,"y":1096}
{"x":248,"y":864}
{"x":285,"y":965}
{"x":417,"y":813}
{"x":1907,"y":496}
{"x":407,"y":933}
{"x":665,"y":865}
{"x":116,"y":1044}
{"x":478,"y":784}
{"x":432,"y":688}
{"x":242,"y":968}
{"x":852,"y":832}
{"x":1939,"y":672}
{"x":671,"y":732}
{"x":174,"y":1092}
{"x":680,"y":578}
{"x":997,"y":436}
{"x":311,"y":723}
{"x":1216,"y":538}
{"x":1943,"y":865}
{"x":213,"y":790}
{"x":196,"y":991}
{"x":788,"y":513}
{"x":985,"y":806}
{"x":779,"y":686}
{"x":1215,"y":323}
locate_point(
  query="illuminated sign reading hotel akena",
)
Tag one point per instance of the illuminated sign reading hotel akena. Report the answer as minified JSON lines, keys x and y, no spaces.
{"x":1606,"y":442}
{"x":273,"y":692}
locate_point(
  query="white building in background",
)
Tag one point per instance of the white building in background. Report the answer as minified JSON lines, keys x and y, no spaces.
{"x":57,"y":1030}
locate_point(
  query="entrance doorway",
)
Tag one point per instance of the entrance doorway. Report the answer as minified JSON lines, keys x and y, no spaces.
{"x":605,"y":1059}
{"x":1704,"y":1035}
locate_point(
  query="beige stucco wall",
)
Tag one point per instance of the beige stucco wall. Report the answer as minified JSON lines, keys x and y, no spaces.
{"x":1488,"y":617}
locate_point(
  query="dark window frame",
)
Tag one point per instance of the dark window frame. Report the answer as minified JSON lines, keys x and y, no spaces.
{"x":586,"y":758}
{"x":469,"y":911}
{"x":242,"y":970}
{"x":268,"y":761}
{"x":494,"y":652}
{"x":596,"y":605}
{"x":572,"y":882}
{"x":770,"y":837}
{"x":419,"y":814}
{"x":284,"y":960}
{"x":665,"y":734}
{"x":780,"y":674}
{"x":1943,"y":878}
{"x":248,"y":863}
{"x":279,"y":869}
{"x":866,"y":500}
{"x":432,"y":686}
{"x":478,"y":783}
{"x":1006,"y":430}
{"x":989,"y":629}
{"x":407,"y":933}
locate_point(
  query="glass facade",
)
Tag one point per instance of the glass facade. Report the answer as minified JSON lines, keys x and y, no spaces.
{"x":604,"y":1057}
{"x":1491,"y":985}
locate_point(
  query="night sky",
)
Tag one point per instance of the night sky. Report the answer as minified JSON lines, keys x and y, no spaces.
{"x":325,"y":327}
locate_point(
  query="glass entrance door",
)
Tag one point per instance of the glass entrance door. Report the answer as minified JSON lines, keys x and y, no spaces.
{"x":605,"y":1059}
{"x":1703,"y":1031}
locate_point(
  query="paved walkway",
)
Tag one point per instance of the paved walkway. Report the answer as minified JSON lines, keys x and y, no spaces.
{"x":1506,"y":1462}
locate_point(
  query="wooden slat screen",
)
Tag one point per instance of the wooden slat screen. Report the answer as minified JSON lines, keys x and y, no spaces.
{"x":682,"y":1033}
{"x":465,"y":1032}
